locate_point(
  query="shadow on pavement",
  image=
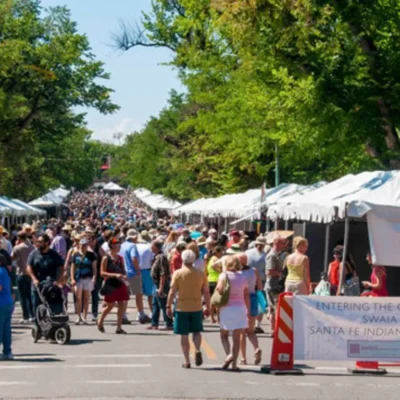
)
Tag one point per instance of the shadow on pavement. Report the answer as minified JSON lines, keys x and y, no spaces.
{"x":154,"y":334}
{"x":78,"y":342}
{"x":37,"y":360}
{"x":22,"y":327}
{"x":35,"y":355}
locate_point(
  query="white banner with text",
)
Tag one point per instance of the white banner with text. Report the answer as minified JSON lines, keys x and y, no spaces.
{"x":346,"y":328}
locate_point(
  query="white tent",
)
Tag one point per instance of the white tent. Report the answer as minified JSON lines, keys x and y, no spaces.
{"x":12,"y":208}
{"x":156,"y":201}
{"x":113,"y":187}
{"x":240,"y":204}
{"x":61,"y":192}
{"x":48,"y":200}
{"x":331,"y":201}
{"x":374,"y":195}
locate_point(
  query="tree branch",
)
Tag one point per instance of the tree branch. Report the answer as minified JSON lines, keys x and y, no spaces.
{"x":133,"y":36}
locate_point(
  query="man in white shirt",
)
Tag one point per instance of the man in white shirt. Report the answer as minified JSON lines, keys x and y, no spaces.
{"x":146,"y":257}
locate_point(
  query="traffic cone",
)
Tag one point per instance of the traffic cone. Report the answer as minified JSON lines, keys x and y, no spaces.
{"x":282,"y":357}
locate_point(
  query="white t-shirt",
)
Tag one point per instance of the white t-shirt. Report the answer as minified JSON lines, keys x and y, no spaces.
{"x":105,"y":247}
{"x":145,"y":255}
{"x":199,"y":264}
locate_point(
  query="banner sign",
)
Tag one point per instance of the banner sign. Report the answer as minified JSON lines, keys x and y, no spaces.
{"x":346,"y":328}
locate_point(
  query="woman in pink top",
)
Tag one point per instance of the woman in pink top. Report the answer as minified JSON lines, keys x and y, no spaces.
{"x":378,"y":280}
{"x":234,"y":316}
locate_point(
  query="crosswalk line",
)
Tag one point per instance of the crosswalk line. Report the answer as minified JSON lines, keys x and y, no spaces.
{"x":5,"y":367}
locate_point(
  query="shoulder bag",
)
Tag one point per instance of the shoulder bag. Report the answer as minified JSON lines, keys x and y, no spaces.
{"x":221,"y":299}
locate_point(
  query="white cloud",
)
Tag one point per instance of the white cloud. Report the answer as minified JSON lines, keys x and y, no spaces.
{"x":124,"y":127}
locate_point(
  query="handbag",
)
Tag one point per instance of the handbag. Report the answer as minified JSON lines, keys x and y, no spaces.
{"x":221,"y":299}
{"x":262,"y":303}
{"x":351,"y":287}
{"x":323,"y":288}
{"x":110,"y":285}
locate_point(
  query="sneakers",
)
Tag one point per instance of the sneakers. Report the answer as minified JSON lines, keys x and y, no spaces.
{"x":144,"y":320}
{"x":7,"y":357}
{"x":78,"y":321}
{"x":258,"y":330}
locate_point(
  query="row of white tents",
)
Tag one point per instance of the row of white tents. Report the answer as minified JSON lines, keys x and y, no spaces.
{"x":242,"y":205}
{"x":54,"y":198}
{"x":156,"y":202}
{"x":373,"y":197}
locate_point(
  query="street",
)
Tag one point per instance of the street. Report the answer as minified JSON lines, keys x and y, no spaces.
{"x":147,"y":365}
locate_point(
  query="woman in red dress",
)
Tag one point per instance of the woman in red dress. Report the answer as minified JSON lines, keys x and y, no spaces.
{"x":378,"y":280}
{"x":114,"y":273}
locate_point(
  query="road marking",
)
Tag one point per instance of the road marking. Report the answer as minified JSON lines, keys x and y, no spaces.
{"x":208,"y":350}
{"x":331,"y":368}
{"x":117,"y":382}
{"x":75,"y":366}
{"x":69,"y":356}
{"x":210,"y":353}
{"x":16,"y":383}
{"x":306,"y":384}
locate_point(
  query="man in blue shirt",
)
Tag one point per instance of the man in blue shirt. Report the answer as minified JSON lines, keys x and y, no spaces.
{"x":131,"y":257}
{"x":6,"y":308}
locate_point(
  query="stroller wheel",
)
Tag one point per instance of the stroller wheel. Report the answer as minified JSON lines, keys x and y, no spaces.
{"x":62,"y":335}
{"x":36,"y":335}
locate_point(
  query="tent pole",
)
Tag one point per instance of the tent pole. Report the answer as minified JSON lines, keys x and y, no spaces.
{"x":304,"y":229}
{"x":345,"y":247}
{"x":286,"y":225}
{"x":226,"y":225}
{"x":276,"y":225}
{"x":327,"y":237}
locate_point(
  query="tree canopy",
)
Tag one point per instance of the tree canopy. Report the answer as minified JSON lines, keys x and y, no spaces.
{"x":47,"y":70}
{"x":319,"y":79}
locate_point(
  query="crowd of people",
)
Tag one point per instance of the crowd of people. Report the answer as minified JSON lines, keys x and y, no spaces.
{"x":113,"y":248}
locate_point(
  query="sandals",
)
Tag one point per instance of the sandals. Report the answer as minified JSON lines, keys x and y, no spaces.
{"x":227,"y":363}
{"x":186,"y":365}
{"x":120,"y":332}
{"x":101,"y":328}
{"x":257,"y":357}
{"x":198,"y":358}
{"x":243,"y":362}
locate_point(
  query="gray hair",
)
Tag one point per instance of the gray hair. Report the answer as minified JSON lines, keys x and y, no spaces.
{"x":188,"y":257}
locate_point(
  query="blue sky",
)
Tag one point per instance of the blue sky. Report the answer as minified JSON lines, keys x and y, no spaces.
{"x":140,"y":83}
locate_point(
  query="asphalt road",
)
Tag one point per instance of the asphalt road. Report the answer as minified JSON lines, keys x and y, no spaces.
{"x":147,"y":365}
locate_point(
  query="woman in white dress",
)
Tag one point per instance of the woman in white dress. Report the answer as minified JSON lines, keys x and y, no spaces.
{"x":233,"y":316}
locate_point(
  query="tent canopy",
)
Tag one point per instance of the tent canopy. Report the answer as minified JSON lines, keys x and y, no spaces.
{"x":359,"y":193}
{"x":156,"y":201}
{"x":17,"y":207}
{"x":113,"y":187}
{"x":48,"y":200}
{"x":239,"y":205}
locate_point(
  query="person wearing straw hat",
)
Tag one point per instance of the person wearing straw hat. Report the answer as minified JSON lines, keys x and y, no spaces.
{"x":83,"y":278}
{"x":130,"y":254}
{"x":145,"y":260}
{"x":274,"y":273}
{"x":256,"y":258}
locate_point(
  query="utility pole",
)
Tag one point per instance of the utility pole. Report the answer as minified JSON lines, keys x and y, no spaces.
{"x":277,"y":169}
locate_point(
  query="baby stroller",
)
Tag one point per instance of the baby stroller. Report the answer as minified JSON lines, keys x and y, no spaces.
{"x":51,"y":315}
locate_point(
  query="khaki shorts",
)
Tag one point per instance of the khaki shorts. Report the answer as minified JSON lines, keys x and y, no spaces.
{"x":135,"y":285}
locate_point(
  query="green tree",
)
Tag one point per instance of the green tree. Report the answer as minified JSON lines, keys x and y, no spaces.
{"x":47,"y":69}
{"x":317,"y":78}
